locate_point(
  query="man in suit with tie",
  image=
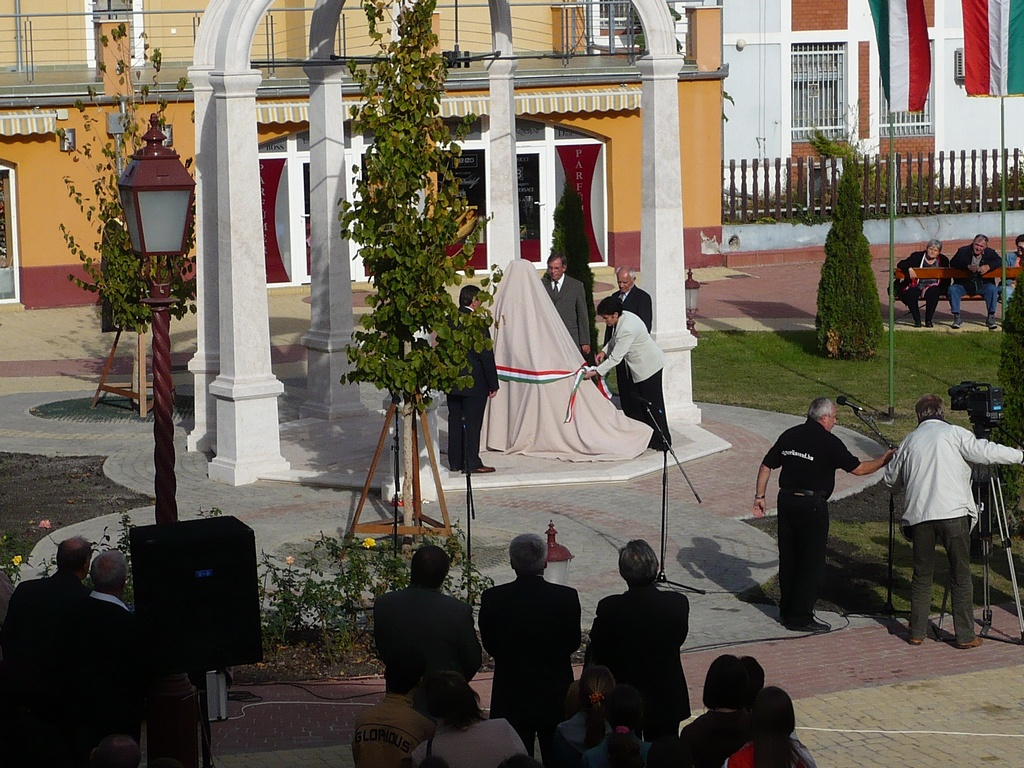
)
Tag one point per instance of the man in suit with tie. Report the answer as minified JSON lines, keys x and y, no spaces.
{"x":570,"y":301}
{"x":638,"y":301}
{"x":531,"y":628}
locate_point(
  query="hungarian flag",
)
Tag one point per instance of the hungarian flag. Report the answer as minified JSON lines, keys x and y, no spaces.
{"x":994,"y":47}
{"x":903,"y":53}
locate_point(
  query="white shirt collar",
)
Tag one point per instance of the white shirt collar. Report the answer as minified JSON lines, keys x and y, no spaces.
{"x":107,"y":598}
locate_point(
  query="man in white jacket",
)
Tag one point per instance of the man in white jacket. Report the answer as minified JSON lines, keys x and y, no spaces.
{"x":932,"y":464}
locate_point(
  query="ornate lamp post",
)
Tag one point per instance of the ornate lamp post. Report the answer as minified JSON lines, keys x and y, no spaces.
{"x":692,"y":290}
{"x":156,"y":194}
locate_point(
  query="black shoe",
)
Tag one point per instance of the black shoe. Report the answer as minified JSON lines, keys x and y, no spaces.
{"x":917,"y":323}
{"x":929,"y":324}
{"x":811,"y":626}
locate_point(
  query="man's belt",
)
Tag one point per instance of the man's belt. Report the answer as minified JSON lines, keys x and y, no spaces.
{"x":803,"y":492}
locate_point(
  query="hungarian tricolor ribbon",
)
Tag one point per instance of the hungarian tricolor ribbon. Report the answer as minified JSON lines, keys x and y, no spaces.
{"x":507,"y":373}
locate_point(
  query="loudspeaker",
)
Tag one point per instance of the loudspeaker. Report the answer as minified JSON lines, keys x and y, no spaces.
{"x":197,"y":594}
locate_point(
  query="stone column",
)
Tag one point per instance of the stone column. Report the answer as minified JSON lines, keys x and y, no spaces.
{"x":248,"y":440}
{"x":662,"y":261}
{"x":205,"y":364}
{"x":503,"y":228}
{"x":330,"y":291}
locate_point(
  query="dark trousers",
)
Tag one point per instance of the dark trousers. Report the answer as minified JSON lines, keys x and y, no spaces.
{"x":955,"y":536}
{"x":803,"y":534}
{"x":650,"y":390}
{"x":530,"y":728}
{"x":624,"y":384}
{"x":912,"y":296}
{"x":465,"y":410}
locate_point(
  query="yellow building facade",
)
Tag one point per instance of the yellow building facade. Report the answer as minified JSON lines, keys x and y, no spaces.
{"x":578,"y":107}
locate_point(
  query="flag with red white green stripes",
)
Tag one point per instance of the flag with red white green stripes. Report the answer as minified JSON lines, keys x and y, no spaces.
{"x":904,"y":56}
{"x":994,"y":47}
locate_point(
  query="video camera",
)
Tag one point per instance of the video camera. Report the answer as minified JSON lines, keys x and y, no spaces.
{"x":983,"y":403}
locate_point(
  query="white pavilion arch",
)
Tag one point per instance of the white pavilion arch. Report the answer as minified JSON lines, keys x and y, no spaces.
{"x":236,"y":392}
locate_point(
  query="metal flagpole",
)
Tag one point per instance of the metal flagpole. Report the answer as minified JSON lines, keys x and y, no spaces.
{"x":1002,"y":195}
{"x":892,"y":270}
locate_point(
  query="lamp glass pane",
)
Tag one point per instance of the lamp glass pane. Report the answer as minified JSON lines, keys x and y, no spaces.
{"x":691,"y":298}
{"x":164,"y":214}
{"x":131,"y":219}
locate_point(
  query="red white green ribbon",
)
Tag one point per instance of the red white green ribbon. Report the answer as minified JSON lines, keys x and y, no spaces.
{"x":507,"y":373}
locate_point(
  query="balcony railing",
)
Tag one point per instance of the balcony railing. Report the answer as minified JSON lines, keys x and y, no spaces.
{"x":48,"y":50}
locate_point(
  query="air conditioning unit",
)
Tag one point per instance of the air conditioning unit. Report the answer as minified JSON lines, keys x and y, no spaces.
{"x":958,"y":66}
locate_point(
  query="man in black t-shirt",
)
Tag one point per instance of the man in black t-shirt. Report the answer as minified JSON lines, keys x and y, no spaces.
{"x":809,"y":455}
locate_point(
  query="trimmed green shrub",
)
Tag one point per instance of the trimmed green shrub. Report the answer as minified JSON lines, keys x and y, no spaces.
{"x":570,"y":240}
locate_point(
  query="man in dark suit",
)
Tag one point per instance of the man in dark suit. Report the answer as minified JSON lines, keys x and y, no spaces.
{"x":419,"y":619}
{"x":638,"y":634}
{"x":466,"y":406}
{"x":638,"y":301}
{"x":570,"y":301}
{"x":982,"y":262}
{"x":531,"y":628}
{"x":109,"y":657}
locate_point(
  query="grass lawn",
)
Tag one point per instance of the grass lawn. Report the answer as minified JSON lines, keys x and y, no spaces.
{"x":783,"y":372}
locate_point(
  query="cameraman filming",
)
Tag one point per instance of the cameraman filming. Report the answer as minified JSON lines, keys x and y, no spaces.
{"x":932,"y":464}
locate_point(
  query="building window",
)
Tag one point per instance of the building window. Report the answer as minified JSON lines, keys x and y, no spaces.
{"x":819,"y":89}
{"x":904,"y":123}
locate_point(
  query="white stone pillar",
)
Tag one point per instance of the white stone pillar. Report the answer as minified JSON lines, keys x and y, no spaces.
{"x":503,"y":178}
{"x":662,"y":261}
{"x":248,"y":440}
{"x":330,"y":291}
{"x":205,"y":363}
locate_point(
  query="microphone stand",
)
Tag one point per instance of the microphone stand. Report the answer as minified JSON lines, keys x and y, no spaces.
{"x":396,"y":401}
{"x":869,"y":421}
{"x":470,"y":508}
{"x":667,"y":448}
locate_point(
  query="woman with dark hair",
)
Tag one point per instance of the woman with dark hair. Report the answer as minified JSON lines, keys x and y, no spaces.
{"x":621,"y":748}
{"x":773,"y":745}
{"x":755,"y":680}
{"x":585,"y":729}
{"x":464,"y":739}
{"x":725,"y":727}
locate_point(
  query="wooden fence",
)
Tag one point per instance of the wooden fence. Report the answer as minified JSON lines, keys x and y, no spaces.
{"x":804,"y":188}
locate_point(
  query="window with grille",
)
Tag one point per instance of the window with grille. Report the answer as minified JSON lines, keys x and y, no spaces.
{"x":904,"y":123}
{"x":819,"y":89}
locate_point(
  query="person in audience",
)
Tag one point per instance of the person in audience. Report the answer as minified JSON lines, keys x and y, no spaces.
{"x":983,"y":263}
{"x":531,"y":628}
{"x":669,"y":752}
{"x":116,"y":751}
{"x":622,"y":748}
{"x":464,"y":739}
{"x":420,"y":619}
{"x":755,"y":680}
{"x":588,"y":726}
{"x":637,"y":635}
{"x":725,"y":727}
{"x":913,"y":288}
{"x":774,"y":745}
{"x":390,"y":730}
{"x":520,"y":761}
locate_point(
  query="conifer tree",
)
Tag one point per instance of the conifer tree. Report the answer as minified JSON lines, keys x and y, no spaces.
{"x":1011,"y":363}
{"x":570,"y":240}
{"x":849,"y":319}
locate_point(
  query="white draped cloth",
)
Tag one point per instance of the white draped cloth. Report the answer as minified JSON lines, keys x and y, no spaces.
{"x":537,"y":365}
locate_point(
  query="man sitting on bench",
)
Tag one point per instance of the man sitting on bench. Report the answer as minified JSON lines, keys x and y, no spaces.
{"x":912,"y":289}
{"x":980,"y":260}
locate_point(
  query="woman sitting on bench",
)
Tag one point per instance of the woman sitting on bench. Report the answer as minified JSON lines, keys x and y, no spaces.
{"x":911,"y":289}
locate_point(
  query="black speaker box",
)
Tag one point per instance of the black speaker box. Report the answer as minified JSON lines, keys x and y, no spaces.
{"x":197,"y":594}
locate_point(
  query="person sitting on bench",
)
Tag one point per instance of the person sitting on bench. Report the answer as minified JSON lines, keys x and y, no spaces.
{"x":980,"y":260}
{"x":912,"y":288}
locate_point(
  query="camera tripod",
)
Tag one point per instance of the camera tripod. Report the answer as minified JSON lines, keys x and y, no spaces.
{"x":987,"y":488}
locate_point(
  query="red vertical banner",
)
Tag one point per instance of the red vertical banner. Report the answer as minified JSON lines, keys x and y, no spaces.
{"x":579,"y":161}
{"x":270,"y":182}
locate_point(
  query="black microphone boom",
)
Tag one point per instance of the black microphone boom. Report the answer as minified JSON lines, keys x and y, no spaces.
{"x":841,"y":400}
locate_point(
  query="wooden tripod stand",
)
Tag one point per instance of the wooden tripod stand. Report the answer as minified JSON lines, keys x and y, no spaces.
{"x":139,"y":386}
{"x":422,"y":523}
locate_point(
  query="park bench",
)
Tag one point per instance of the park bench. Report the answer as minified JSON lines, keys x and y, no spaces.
{"x":947,"y":273}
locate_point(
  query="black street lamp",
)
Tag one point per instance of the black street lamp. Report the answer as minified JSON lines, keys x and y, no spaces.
{"x":157,"y":194}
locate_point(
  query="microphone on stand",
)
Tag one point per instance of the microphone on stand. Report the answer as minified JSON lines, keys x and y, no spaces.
{"x":842,"y":400}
